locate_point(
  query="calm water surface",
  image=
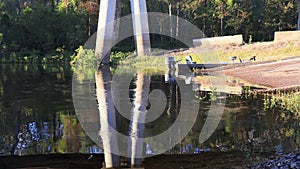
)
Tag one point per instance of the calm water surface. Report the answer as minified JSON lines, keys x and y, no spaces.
{"x":37,"y":116}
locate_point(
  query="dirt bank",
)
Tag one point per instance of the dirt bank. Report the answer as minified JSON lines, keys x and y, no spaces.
{"x":280,"y":74}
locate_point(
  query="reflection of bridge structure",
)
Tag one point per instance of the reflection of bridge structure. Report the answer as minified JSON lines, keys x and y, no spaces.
{"x":107,"y":28}
{"x":208,"y":79}
{"x":232,"y":85}
{"x":107,"y":34}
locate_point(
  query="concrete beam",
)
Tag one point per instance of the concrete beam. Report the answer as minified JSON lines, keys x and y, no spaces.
{"x":218,"y":41}
{"x":287,"y":36}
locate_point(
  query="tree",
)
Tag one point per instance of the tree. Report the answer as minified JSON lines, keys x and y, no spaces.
{"x":223,"y":10}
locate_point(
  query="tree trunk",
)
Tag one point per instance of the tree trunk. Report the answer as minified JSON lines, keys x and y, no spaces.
{"x":89,"y":25}
{"x":221,"y":20}
{"x":177,"y":21}
{"x":107,"y":116}
{"x":66,"y":3}
{"x":171,"y":22}
{"x":53,"y":5}
{"x":17,"y":6}
{"x":161,"y":37}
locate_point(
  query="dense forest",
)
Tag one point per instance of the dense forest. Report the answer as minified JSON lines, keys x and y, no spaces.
{"x":51,"y":30}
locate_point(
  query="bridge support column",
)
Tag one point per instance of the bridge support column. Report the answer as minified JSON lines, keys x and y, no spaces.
{"x":105,"y":30}
{"x":140,"y":27}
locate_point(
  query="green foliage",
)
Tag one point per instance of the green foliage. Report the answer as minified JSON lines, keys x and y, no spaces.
{"x":1,"y":37}
{"x":288,"y":101}
{"x":39,"y":32}
{"x":84,"y":64}
{"x":117,"y":56}
{"x":35,"y":30}
{"x":259,"y":18}
{"x":230,"y":3}
{"x":75,"y":57}
{"x":213,"y":93}
{"x":146,"y":64}
{"x":250,"y":39}
{"x":2,"y":45}
{"x":70,"y":142}
{"x":86,"y":58}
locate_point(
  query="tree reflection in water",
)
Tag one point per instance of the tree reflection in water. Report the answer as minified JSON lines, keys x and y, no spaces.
{"x":39,"y":108}
{"x":36,"y":111}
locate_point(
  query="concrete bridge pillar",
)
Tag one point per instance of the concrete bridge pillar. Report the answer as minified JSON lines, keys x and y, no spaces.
{"x":105,"y":30}
{"x":140,"y":27}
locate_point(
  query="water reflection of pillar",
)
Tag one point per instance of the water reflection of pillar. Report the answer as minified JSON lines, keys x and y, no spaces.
{"x":173,"y":100}
{"x":177,"y":98}
{"x":107,"y":116}
{"x":138,"y":116}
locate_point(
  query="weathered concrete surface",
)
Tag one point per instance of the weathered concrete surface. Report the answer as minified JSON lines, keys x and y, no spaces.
{"x":105,"y":30}
{"x":218,"y":41}
{"x":140,"y":27}
{"x":287,"y":36}
{"x":281,"y":74}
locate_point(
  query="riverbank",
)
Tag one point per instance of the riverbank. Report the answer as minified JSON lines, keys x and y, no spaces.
{"x":276,"y":74}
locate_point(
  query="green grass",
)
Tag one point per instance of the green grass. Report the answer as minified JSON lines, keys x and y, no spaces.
{"x":148,"y":64}
{"x":264,"y":53}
